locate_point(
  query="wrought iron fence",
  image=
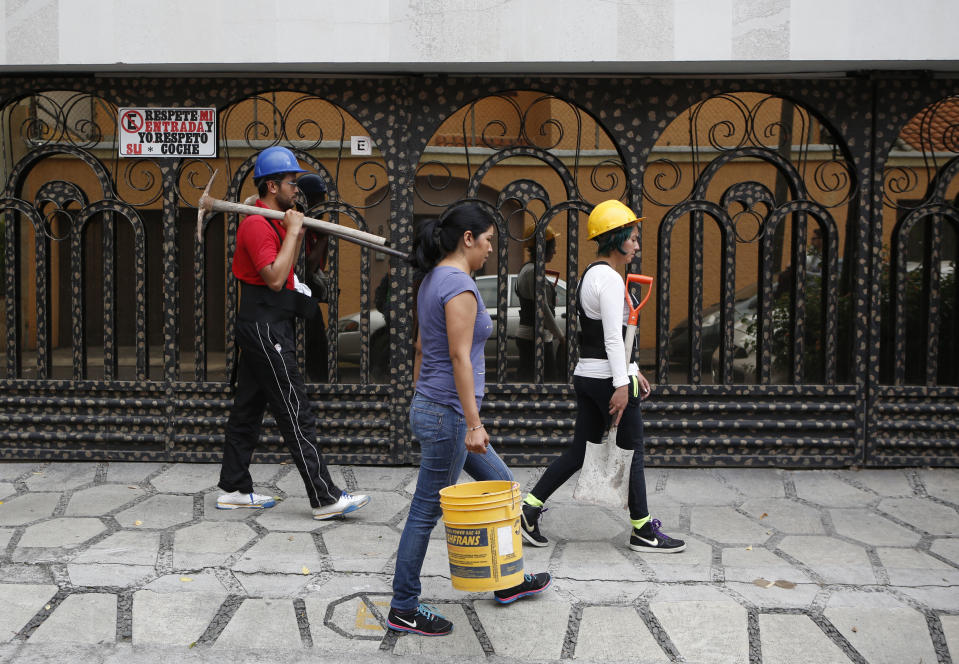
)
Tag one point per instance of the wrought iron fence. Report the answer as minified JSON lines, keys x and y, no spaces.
{"x":803,"y":246}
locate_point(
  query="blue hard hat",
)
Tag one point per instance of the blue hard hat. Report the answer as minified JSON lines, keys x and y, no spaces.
{"x":275,"y":160}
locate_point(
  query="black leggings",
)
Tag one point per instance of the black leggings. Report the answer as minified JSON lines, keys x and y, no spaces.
{"x":592,"y":422}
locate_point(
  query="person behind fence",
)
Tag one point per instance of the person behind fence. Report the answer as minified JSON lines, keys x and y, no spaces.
{"x":267,"y":373}
{"x":449,"y":376}
{"x":608,"y":389}
{"x":525,"y":287}
{"x":814,"y":253}
{"x":317,"y":246}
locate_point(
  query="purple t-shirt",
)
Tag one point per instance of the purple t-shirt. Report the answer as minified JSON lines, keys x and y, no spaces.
{"x":442,"y":284}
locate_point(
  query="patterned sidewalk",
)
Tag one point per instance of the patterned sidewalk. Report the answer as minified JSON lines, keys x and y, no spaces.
{"x":132,"y":562}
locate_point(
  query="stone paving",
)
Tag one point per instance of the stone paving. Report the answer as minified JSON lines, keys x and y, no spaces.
{"x":132,"y":562}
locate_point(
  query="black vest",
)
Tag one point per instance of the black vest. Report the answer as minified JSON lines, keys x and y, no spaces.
{"x":591,"y":339}
{"x":261,"y":304}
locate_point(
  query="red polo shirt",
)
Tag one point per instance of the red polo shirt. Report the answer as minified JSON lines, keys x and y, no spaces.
{"x":257,"y":245}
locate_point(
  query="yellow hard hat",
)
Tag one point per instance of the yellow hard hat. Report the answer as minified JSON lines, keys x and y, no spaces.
{"x":609,"y":215}
{"x":530,"y":229}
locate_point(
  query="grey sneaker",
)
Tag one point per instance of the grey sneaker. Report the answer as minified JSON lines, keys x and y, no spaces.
{"x":236,"y":500}
{"x":346,"y":504}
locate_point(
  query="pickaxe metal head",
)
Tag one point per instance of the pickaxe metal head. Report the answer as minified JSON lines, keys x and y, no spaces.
{"x":204,"y":207}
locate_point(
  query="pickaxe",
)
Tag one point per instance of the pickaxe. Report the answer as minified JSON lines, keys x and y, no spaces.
{"x":208,"y":204}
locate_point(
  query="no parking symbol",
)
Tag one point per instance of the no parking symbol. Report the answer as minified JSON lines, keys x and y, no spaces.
{"x":131,"y":121}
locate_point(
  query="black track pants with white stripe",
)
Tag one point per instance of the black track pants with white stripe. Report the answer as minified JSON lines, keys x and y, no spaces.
{"x":268,"y":377}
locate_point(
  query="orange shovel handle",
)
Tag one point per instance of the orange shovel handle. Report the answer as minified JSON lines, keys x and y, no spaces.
{"x":634,"y":309}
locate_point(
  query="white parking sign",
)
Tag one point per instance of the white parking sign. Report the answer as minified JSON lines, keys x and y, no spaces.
{"x":167,"y":132}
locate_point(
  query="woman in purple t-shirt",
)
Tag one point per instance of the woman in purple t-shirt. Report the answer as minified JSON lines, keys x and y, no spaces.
{"x":449,"y":372}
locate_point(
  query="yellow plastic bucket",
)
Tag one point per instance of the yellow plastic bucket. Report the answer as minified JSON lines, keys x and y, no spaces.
{"x":479,"y":493}
{"x":483,"y":536}
{"x":480,"y":502}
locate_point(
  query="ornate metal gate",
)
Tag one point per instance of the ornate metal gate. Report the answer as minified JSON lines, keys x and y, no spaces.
{"x":802,"y":234}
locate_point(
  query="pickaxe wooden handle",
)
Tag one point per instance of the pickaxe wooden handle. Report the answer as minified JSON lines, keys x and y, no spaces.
{"x":208,"y":204}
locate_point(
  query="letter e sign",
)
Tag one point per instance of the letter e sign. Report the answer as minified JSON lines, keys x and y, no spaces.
{"x":360,"y":145}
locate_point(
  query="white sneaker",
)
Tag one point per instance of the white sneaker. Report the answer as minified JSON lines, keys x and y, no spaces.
{"x":346,"y":504}
{"x":231,"y":501}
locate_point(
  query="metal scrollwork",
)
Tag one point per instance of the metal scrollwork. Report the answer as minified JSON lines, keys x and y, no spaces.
{"x":731,"y":123}
{"x":616,"y":180}
{"x":193,"y":172}
{"x":664,"y":176}
{"x":930,"y":139}
{"x":66,"y":117}
{"x":436,"y":182}
{"x":258,"y":129}
{"x":307,"y":124}
{"x":899,"y":183}
{"x":748,"y":195}
{"x":141,"y":176}
{"x":521,"y":193}
{"x":551,"y":125}
{"x":542,"y":123}
{"x":488,"y":136}
{"x":835,"y":176}
{"x":281,"y":121}
{"x":779,"y":131}
{"x":721,"y":134}
{"x":494,"y":127}
{"x":367,"y":170}
{"x":53,"y":200}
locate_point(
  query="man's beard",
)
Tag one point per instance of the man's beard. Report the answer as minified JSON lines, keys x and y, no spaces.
{"x":284,"y":203}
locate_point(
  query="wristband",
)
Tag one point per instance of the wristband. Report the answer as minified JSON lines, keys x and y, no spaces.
{"x":478,"y":426}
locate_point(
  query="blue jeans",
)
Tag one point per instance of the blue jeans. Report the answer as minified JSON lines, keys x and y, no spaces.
{"x":441,"y":433}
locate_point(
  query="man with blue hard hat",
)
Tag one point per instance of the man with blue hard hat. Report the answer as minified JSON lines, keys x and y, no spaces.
{"x":267,"y":372}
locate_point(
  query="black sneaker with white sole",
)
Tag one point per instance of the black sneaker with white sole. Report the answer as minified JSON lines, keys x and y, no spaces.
{"x":530,"y":523}
{"x":422,"y":620}
{"x":650,"y":539}
{"x":532,"y":584}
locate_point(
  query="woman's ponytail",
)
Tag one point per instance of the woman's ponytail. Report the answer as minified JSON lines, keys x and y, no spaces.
{"x":435,"y":238}
{"x":427,"y":246}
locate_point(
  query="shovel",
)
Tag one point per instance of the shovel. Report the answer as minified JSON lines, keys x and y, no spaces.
{"x":604,"y":478}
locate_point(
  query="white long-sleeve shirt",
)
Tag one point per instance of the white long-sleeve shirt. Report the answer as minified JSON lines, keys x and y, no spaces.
{"x":602,"y":293}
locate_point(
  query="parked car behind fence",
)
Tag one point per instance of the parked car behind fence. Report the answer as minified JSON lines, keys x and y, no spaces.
{"x":349,"y":337}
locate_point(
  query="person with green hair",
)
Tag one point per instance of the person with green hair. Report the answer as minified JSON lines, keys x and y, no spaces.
{"x":608,"y":388}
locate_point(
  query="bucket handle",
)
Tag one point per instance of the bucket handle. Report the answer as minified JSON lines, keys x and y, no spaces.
{"x":519,"y":495}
